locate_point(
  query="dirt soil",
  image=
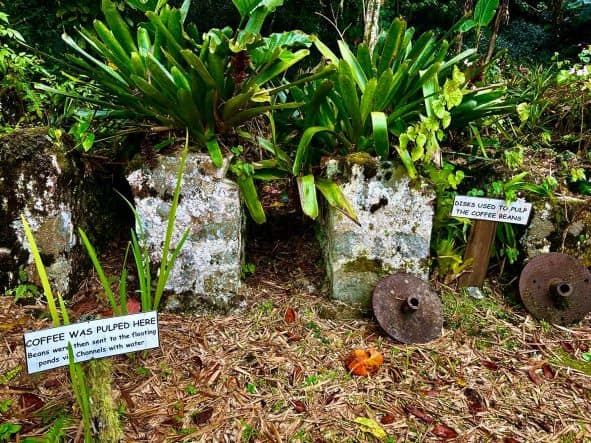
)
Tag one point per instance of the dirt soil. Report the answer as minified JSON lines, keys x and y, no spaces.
{"x":273,"y":371}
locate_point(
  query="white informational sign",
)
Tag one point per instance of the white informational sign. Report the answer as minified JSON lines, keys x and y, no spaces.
{"x":491,"y":209}
{"x":48,"y":348}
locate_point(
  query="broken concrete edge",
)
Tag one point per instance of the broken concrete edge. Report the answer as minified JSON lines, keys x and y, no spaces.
{"x":395,"y":218}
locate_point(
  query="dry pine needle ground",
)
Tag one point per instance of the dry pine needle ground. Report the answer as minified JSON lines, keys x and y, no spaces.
{"x":274,"y":371}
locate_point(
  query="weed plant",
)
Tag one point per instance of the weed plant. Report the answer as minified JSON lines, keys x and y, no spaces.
{"x":77,"y":376}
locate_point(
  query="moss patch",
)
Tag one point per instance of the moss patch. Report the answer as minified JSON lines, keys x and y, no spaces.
{"x":364,"y":264}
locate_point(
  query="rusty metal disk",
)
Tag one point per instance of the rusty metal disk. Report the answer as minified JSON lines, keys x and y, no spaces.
{"x":556,"y":287}
{"x":407,"y":309}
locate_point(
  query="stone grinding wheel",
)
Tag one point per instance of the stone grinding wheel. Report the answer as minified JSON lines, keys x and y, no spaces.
{"x":407,"y":309}
{"x":556,"y":288}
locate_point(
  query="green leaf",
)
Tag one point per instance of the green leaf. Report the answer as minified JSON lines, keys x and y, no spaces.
{"x":364,"y":58}
{"x":452,"y":93}
{"x":392,"y":44}
{"x":523,"y":112}
{"x":335,"y":197}
{"x":406,"y":160}
{"x":110,"y":71}
{"x":258,"y":15}
{"x":248,"y":192}
{"x":430,"y":90}
{"x":307,"y":191}
{"x":196,"y":63}
{"x":468,"y":25}
{"x":304,"y":145}
{"x":348,"y":92}
{"x":42,"y":273}
{"x":118,"y":26}
{"x":324,"y":50}
{"x":356,"y":70}
{"x":372,"y":427}
{"x":106,"y":284}
{"x":380,"y":134}
{"x":367,"y":99}
{"x":119,"y":54}
{"x":215,"y":152}
{"x":485,"y":11}
{"x":286,"y":60}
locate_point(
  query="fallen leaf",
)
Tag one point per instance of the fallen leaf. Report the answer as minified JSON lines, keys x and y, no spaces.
{"x":299,"y":406}
{"x":388,"y":419}
{"x":490,"y":365}
{"x":290,"y":316}
{"x":429,"y":393}
{"x":568,"y":347}
{"x":128,"y":400}
{"x":372,"y":427}
{"x":332,"y":397}
{"x":296,"y":375}
{"x":133,"y":306}
{"x":548,"y":372}
{"x":196,"y":361}
{"x":583,"y":347}
{"x":15,"y":327}
{"x":85,"y":306}
{"x":51,"y":383}
{"x":420,"y":414}
{"x":475,"y":401}
{"x":291,"y":337}
{"x":31,"y":402}
{"x":444,"y":431}
{"x":510,"y":440}
{"x":203,"y":416}
{"x":364,"y":363}
{"x":535,"y":378}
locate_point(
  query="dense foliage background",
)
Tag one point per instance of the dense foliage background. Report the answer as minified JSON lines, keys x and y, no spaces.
{"x":535,"y":28}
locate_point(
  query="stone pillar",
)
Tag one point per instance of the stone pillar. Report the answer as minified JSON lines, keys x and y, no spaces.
{"x":57,"y":192}
{"x":393,"y":235}
{"x":563,"y":226}
{"x":208,"y":266}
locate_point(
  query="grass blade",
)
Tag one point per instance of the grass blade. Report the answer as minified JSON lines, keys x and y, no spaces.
{"x":99,"y":270}
{"x":42,"y":273}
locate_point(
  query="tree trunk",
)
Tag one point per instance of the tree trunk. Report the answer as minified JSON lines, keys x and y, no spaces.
{"x":501,"y":18}
{"x":372,"y":22}
{"x":468,"y":4}
{"x":557,"y":15}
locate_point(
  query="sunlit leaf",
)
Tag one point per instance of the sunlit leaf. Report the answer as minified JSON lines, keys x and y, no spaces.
{"x":372,"y":427}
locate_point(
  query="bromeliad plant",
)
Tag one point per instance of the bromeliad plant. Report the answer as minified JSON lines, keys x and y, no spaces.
{"x":376,"y":98}
{"x":167,"y":73}
{"x":389,"y":102}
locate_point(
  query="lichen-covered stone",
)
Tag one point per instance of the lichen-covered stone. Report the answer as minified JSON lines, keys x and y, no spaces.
{"x":208,"y":266}
{"x":393,"y":235}
{"x":49,"y":184}
{"x":563,"y":225}
{"x":541,"y":227}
